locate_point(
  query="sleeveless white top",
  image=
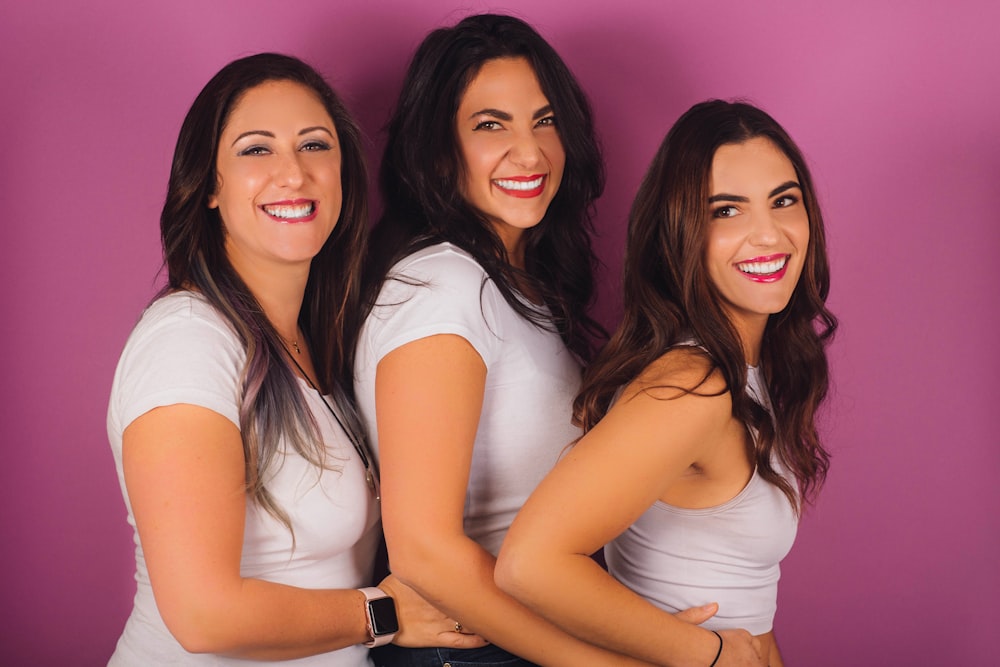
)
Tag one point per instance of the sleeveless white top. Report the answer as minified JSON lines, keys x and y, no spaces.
{"x":680,"y":558}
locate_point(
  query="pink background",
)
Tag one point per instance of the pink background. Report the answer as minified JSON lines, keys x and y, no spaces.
{"x":894,"y":103}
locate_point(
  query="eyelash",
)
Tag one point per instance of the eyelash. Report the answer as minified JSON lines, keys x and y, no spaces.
{"x":548,"y":121}
{"x":486,"y":125}
{"x":311,"y":146}
{"x":790,"y":199}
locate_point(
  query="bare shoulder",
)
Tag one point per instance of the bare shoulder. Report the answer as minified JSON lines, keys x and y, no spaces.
{"x":680,"y":372}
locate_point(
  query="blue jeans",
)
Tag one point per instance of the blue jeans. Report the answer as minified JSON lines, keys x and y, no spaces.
{"x":487,"y":656}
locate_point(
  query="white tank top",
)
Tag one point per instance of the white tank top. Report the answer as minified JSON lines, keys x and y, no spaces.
{"x":679,"y":558}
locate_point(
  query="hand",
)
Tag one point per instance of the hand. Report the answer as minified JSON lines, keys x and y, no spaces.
{"x":698,"y":615}
{"x":740,"y":649}
{"x":421,"y":624}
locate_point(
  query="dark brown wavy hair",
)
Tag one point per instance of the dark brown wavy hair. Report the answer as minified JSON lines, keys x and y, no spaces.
{"x":271,"y":403}
{"x":422,"y":165}
{"x":669,"y":299}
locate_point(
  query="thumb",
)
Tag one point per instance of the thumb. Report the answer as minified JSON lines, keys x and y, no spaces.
{"x":698,"y":615}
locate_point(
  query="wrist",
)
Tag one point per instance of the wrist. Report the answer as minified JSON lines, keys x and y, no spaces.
{"x":718,"y":653}
{"x":380,"y":616}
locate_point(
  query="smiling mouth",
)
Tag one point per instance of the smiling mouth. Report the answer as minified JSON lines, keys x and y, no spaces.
{"x":298,"y":211}
{"x":524,"y":186}
{"x":764,"y":267}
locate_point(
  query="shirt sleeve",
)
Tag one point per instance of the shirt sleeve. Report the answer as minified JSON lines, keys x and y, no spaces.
{"x":180,"y":353}
{"x":443,"y":292}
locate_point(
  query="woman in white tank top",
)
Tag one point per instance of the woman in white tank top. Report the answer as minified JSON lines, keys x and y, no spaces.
{"x":700,"y":442}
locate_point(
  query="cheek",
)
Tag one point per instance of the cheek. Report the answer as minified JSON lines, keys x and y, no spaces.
{"x":555,"y":153}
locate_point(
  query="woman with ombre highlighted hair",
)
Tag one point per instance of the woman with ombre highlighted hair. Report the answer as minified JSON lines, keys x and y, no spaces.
{"x":239,"y":451}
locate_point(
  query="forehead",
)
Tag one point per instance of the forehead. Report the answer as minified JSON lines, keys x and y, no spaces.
{"x":757,"y":163}
{"x":277,"y":103}
{"x":503,"y":80}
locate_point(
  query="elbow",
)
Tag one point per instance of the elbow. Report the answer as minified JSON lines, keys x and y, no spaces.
{"x":198,"y":629}
{"x":419,"y":559}
{"x":515,"y":573}
{"x":195,"y":638}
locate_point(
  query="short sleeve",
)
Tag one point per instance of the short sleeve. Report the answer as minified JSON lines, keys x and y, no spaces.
{"x":440,"y":290}
{"x":180,"y":352}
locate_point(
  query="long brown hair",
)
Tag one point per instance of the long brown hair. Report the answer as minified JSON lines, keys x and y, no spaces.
{"x":271,"y":403}
{"x":669,"y":299}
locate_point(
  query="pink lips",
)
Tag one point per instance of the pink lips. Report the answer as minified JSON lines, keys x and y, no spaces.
{"x":522,"y":194}
{"x":765,"y":277}
{"x":306,"y":204}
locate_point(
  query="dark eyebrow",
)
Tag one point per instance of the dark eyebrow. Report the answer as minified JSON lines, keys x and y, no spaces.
{"x":315,"y":128}
{"x":496,"y":113}
{"x":503,"y":115}
{"x":788,"y":185}
{"x":784,"y":186}
{"x":265,"y":133}
{"x":544,"y":111}
{"x":725,"y":197}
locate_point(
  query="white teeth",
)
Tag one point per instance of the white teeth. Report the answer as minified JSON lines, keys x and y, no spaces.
{"x":519,"y":185}
{"x":290,"y":212}
{"x":763,"y":268}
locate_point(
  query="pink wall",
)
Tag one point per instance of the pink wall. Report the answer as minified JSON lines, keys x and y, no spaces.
{"x":895,"y":103}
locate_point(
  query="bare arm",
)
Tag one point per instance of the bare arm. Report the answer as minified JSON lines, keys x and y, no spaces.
{"x":429,"y":395}
{"x":617,"y":471}
{"x":183,"y":468}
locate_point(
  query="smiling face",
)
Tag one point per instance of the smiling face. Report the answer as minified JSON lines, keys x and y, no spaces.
{"x":512,"y":155}
{"x":758,"y":232}
{"x":278,"y":177}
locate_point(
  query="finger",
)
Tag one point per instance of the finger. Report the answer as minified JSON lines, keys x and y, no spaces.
{"x":461,"y":640}
{"x":698,"y":615}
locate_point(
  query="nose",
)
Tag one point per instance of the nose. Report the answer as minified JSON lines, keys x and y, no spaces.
{"x":765,"y":230}
{"x":289,"y":172}
{"x":525,"y":151}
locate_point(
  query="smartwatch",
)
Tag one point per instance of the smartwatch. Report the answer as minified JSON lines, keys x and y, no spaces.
{"x":381,"y":611}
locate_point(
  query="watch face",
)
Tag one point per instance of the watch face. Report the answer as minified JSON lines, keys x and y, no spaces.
{"x":383,"y":615}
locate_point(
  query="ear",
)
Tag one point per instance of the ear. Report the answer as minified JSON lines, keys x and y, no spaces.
{"x":213,"y":201}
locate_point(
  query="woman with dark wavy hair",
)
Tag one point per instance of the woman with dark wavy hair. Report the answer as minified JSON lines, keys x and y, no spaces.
{"x":239,"y":450}
{"x":701,"y":443}
{"x":468,"y":363}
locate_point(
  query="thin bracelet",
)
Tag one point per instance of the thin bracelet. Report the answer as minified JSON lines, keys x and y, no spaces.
{"x":717,"y":655}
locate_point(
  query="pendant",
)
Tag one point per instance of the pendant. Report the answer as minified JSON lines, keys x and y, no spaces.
{"x":372,"y":483}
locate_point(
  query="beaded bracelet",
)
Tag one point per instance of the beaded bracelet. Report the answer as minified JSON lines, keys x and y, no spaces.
{"x":720,"y":649}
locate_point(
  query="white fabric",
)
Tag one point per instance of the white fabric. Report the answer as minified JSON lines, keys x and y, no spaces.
{"x":182,"y":351}
{"x":680,"y":558}
{"x":531,"y":377}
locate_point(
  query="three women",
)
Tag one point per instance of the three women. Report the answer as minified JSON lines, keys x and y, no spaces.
{"x":244,"y":464}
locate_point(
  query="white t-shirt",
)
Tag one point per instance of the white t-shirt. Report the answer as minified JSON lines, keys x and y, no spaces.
{"x":183,"y":351}
{"x":531,"y":378}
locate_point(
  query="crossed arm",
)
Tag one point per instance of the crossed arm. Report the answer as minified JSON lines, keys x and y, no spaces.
{"x":429,"y":395}
{"x":637,"y":454}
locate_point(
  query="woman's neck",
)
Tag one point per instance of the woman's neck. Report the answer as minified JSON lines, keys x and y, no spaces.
{"x":279,"y":291}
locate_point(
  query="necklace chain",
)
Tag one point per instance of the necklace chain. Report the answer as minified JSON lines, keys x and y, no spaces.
{"x":370,"y":477}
